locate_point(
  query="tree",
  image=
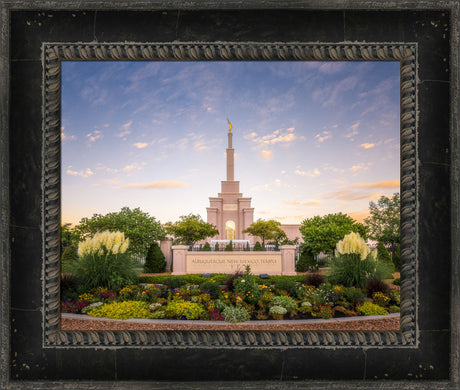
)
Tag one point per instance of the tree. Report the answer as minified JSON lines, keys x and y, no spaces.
{"x":68,"y":237}
{"x":266,"y":230}
{"x":190,"y":229}
{"x":382,"y":253}
{"x":321,"y":234}
{"x":141,"y":229}
{"x":306,"y":260}
{"x":155,"y":260}
{"x":384,"y":221}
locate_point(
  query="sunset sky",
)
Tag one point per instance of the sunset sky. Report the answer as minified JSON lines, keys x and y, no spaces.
{"x":310,"y":138}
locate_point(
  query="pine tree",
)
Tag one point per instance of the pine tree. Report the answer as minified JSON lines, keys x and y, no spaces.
{"x":155,"y":260}
{"x":229,"y":246}
{"x":257,"y":247}
{"x":397,"y":258}
{"x":206,"y":247}
{"x":306,"y":261}
{"x":382,"y":253}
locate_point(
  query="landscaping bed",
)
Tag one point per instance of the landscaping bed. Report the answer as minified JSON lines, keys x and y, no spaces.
{"x":235,"y":299}
{"x":105,"y":285}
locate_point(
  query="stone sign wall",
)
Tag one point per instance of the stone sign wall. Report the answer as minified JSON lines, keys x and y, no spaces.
{"x":273,"y":263}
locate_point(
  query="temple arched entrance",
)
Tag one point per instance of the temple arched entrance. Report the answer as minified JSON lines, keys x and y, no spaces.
{"x":230,"y":230}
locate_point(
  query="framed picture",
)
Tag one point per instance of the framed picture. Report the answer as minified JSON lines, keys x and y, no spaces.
{"x":43,"y":38}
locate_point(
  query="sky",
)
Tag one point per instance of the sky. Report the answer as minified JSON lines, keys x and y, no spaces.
{"x":310,"y":137}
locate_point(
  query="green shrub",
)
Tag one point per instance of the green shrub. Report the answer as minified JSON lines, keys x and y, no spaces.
{"x":247,"y":286}
{"x":219,"y":278}
{"x":122,"y":310}
{"x":381,"y":299}
{"x":284,"y":301}
{"x":277,"y":312}
{"x":179,"y":309}
{"x":325,"y":294}
{"x":284,"y":284}
{"x":155,"y":261}
{"x":382,"y":253}
{"x":235,"y":314}
{"x":306,"y":260}
{"x":397,"y":258}
{"x":354,"y":295}
{"x":397,"y":282}
{"x":175,"y":281}
{"x":395,"y":296}
{"x":69,"y":256}
{"x":257,"y":247}
{"x":190,"y":278}
{"x":371,"y":309}
{"x":247,"y":248}
{"x":216,"y":247}
{"x":230,"y":280}
{"x":229,"y":246}
{"x":394,"y":309}
{"x":206,"y":247}
{"x":103,"y":262}
{"x":384,"y":270}
{"x":212,"y":288}
{"x":349,"y":270}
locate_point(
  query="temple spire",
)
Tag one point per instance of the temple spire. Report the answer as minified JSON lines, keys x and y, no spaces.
{"x":230,"y":155}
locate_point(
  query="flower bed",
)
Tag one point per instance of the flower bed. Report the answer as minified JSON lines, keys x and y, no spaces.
{"x":244,"y":297}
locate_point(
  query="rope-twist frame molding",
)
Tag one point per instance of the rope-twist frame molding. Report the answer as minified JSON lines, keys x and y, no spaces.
{"x":53,"y":54}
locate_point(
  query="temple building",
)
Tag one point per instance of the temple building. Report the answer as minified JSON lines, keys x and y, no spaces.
{"x":230,"y":212}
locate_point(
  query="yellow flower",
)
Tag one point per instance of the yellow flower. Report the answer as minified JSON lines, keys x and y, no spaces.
{"x":353,"y":243}
{"x":101,"y":242}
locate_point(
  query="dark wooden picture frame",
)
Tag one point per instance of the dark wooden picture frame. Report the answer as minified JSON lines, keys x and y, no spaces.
{"x":37,"y":35}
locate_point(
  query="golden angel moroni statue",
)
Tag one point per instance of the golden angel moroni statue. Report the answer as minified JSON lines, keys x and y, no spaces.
{"x":229,"y":126}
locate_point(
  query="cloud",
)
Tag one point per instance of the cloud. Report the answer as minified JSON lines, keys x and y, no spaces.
{"x":95,"y":135}
{"x":250,"y":136}
{"x":380,"y":184}
{"x":329,"y":95}
{"x":295,"y":202}
{"x":314,"y":173}
{"x":198,"y":142}
{"x":133,"y":167}
{"x":323,"y":136}
{"x":331,"y":168}
{"x":157,"y":185}
{"x":330,"y":67}
{"x":107,"y":169}
{"x":277,"y":136}
{"x":112,"y":181}
{"x":350,"y":195}
{"x":311,"y":173}
{"x":85,"y":174}
{"x":140,"y":145}
{"x":360,"y":191}
{"x":359,"y":167}
{"x":367,"y":145}
{"x":67,"y":137}
{"x":300,"y":173}
{"x":125,"y":129}
{"x":266,"y":154}
{"x":278,"y":182}
{"x":353,"y":130}
{"x":94,"y":94}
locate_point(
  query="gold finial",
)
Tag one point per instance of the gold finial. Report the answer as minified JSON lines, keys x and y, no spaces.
{"x":229,"y":126}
